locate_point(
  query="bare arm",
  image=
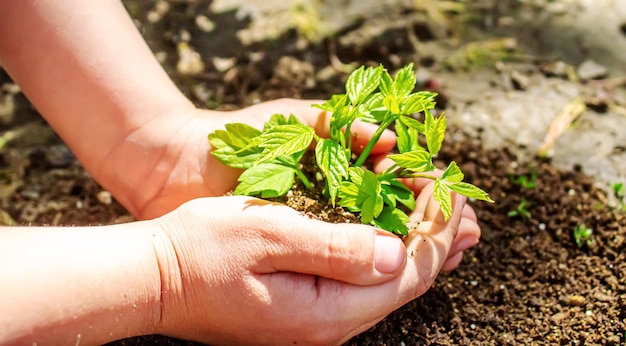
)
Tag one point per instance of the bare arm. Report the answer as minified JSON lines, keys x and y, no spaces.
{"x":86,"y":68}
{"x":82,"y":285}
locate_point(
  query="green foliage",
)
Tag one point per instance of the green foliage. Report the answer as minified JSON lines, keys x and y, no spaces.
{"x":271,"y":157}
{"x":619,"y":191}
{"x":583,"y":235}
{"x":521,"y":210}
{"x":528,"y":181}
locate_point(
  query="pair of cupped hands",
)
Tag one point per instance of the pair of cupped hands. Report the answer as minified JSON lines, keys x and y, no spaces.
{"x":240,"y":269}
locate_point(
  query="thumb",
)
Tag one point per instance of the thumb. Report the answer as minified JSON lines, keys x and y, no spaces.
{"x":351,"y":253}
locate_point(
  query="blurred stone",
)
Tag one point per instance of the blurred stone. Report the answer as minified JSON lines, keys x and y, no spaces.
{"x":591,"y":70}
{"x":204,"y":23}
{"x":104,"y":197}
{"x":189,"y":61}
{"x":58,"y":156}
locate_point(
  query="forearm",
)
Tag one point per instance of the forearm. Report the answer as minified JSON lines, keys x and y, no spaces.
{"x":89,"y":72}
{"x":82,"y":285}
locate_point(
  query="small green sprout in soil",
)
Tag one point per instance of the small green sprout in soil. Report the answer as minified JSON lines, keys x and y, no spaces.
{"x":619,"y":191}
{"x":526,"y":181}
{"x":521,"y":210}
{"x":271,"y":157}
{"x":583,"y":235}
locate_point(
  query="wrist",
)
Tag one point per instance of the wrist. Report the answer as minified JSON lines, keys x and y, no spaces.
{"x":89,"y":285}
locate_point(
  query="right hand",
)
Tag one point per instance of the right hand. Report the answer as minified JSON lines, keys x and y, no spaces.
{"x":240,"y":269}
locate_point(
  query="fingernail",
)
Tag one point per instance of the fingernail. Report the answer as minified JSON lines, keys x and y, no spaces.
{"x":389,"y":254}
{"x":467,"y":243}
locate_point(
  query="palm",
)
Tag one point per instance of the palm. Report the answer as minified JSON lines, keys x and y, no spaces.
{"x":190,"y":171}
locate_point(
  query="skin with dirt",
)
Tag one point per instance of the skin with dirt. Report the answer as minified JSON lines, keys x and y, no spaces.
{"x":503,"y":83}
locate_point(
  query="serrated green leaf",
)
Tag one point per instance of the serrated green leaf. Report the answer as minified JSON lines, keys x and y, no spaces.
{"x":404,"y":82}
{"x":393,"y":220}
{"x":417,"y":161}
{"x":371,"y":208}
{"x":419,"y":102}
{"x":232,"y":146}
{"x":363,"y":194}
{"x":392,"y":103}
{"x":412,"y":123}
{"x":386,"y":83}
{"x":406,"y":138}
{"x":372,"y":109}
{"x":236,"y":136}
{"x":230,"y":158}
{"x":470,"y":191}
{"x":453,"y":173}
{"x":434,"y":130}
{"x":400,"y":192}
{"x":333,"y":161}
{"x":284,"y":140}
{"x":442,"y":195}
{"x":336,"y":101}
{"x":266,"y":179}
{"x":362,"y":82}
{"x":279,"y":119}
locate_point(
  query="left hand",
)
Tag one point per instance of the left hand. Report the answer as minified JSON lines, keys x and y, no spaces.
{"x":182,"y":168}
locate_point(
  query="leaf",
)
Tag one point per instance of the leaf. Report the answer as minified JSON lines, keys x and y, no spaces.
{"x":404,"y":83}
{"x":236,"y":136}
{"x":419,"y":102}
{"x":442,"y":195}
{"x":371,"y":208}
{"x":230,"y":158}
{"x":470,"y":191}
{"x":284,"y":140}
{"x":386,"y":83}
{"x":362,"y":194}
{"x":453,"y":173}
{"x":406,"y":138}
{"x":232,"y":146}
{"x":372,"y":109}
{"x":362,"y":82}
{"x":336,"y":101}
{"x":279,"y":119}
{"x":412,"y":123}
{"x":266,"y":179}
{"x":400,"y":192}
{"x":435,"y":130}
{"x":393,"y":220}
{"x":392,"y":103}
{"x":333,"y":161}
{"x":418,"y":160}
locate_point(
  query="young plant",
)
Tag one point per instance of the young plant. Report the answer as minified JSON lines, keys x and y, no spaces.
{"x":521,"y":210}
{"x":619,"y":191}
{"x":582,"y":235}
{"x":270,"y":157}
{"x":528,"y":181}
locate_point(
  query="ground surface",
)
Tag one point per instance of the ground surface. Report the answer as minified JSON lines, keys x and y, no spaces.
{"x":527,"y":282}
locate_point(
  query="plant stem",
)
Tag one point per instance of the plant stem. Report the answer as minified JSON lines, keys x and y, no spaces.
{"x":370,"y":145}
{"x":304,"y":179}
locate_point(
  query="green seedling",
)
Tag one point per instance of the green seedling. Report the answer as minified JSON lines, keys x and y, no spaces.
{"x":521,"y":210}
{"x":528,"y":181}
{"x":582,"y":235}
{"x":619,"y":191}
{"x":271,"y":157}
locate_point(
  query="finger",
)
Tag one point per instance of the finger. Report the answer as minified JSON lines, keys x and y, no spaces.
{"x":356,"y":254}
{"x":453,"y":262}
{"x":427,"y":246}
{"x":320,"y":120}
{"x":468,"y":235}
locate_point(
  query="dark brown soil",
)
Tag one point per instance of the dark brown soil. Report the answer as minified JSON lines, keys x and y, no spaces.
{"x":527,"y":282}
